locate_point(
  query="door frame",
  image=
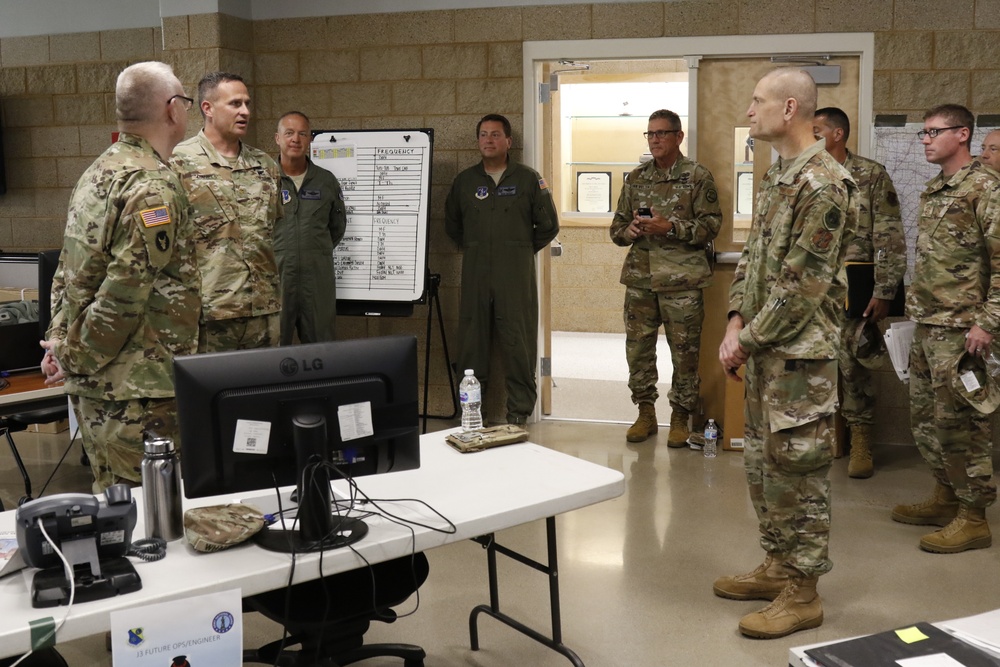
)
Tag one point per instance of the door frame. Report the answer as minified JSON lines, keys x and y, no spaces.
{"x":693,"y":50}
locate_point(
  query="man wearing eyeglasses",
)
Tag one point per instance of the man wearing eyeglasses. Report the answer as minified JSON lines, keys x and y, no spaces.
{"x":879,"y":241}
{"x":955,"y":300}
{"x":668,"y":212}
{"x":501,"y":214}
{"x":990,"y":155}
{"x":786,"y":305}
{"x":126,"y":294}
{"x":313,"y":223}
{"x":233,"y":188}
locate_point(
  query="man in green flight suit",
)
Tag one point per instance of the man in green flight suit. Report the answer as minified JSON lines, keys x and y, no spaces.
{"x":313,"y":223}
{"x":500,"y":213}
{"x":126,"y":295}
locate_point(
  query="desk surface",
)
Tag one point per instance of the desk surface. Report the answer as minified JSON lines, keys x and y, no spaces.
{"x":27,"y":388}
{"x":480,"y":493}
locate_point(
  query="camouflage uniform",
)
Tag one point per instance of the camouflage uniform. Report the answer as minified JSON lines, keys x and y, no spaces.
{"x":789,"y":287}
{"x":664,"y":275}
{"x":500,"y":227}
{"x":879,"y":239}
{"x":956,"y":284}
{"x":314,"y":221}
{"x":234,"y":206}
{"x":125,"y":301}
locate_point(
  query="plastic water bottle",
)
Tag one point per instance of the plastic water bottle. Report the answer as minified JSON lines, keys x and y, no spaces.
{"x":470,"y":393}
{"x":711,"y":439}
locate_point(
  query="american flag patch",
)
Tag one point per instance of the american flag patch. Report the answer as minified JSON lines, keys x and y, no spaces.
{"x":542,"y":184}
{"x":152,"y":217}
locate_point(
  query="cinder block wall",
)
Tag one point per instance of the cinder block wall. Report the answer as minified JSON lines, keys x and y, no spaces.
{"x":440,"y":69}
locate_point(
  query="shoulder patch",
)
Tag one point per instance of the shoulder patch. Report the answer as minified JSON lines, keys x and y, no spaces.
{"x":542,"y":184}
{"x":892,"y":199}
{"x":821,"y":240}
{"x":153,"y":217}
{"x":832,"y":218}
{"x":712,"y":196}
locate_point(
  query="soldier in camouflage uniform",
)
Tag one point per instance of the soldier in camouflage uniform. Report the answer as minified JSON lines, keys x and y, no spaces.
{"x":125,"y":298}
{"x":786,"y":310}
{"x":955,"y":300}
{"x":990,"y":155}
{"x":665,"y":271}
{"x":879,"y":240}
{"x":233,"y":189}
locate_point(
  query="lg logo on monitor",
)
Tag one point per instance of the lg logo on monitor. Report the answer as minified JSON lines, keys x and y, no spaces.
{"x":290,"y":366}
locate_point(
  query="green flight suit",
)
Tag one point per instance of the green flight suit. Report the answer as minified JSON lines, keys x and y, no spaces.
{"x":314,"y":222}
{"x":500,"y":227}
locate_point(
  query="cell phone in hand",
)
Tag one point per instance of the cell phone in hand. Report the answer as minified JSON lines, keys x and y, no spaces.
{"x":644,"y":212}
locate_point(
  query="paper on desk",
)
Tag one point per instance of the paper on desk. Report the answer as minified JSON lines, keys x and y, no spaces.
{"x":202,"y":629}
{"x":981,"y":630}
{"x":936,"y":660}
{"x":898,"y":340}
{"x":10,"y":556}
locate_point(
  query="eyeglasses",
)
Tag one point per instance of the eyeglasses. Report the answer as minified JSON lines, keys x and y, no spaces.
{"x":659,"y":134}
{"x":187,"y":101}
{"x":934,"y":131}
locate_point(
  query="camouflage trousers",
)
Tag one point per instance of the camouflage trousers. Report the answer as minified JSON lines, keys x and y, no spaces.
{"x":857,"y":395}
{"x":953,"y":437}
{"x":789,"y":438}
{"x":240,"y":333}
{"x":681,"y":315}
{"x":112,"y":433}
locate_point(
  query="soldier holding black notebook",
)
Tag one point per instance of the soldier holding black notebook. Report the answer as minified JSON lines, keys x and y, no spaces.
{"x":879,"y":248}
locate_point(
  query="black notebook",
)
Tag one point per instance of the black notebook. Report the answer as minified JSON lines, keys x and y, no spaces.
{"x":861,"y":287}
{"x":885,"y":648}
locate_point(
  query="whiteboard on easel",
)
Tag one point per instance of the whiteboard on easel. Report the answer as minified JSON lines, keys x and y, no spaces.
{"x":385,"y":176}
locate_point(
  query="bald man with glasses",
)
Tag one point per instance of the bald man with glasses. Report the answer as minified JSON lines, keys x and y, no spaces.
{"x":668,"y":212}
{"x":955,"y":300}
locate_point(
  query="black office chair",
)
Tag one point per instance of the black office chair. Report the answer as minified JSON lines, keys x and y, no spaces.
{"x":20,"y":421}
{"x":48,"y":657}
{"x":328,"y":617}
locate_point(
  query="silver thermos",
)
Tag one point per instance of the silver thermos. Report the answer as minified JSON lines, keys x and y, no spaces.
{"x":161,"y":489}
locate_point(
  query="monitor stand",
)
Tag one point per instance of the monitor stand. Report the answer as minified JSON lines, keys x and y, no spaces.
{"x":317,"y":528}
{"x":50,"y":588}
{"x":344,"y":532}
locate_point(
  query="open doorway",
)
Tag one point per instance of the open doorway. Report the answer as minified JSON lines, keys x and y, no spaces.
{"x":580,"y":289}
{"x":599,"y":111}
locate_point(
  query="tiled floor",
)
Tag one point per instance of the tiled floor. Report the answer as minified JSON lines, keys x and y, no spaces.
{"x":636,"y":572}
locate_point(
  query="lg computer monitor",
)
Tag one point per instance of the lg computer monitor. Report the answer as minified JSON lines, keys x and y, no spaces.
{"x":252,"y":420}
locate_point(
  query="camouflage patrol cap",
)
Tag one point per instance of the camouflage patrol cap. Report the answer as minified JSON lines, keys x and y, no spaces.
{"x":971,"y":382}
{"x":219,"y":527}
{"x":866,"y":344}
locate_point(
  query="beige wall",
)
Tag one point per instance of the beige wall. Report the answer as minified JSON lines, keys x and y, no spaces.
{"x":441,"y":69}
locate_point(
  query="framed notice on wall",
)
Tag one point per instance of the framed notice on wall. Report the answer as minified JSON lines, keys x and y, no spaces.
{"x":593,"y":192}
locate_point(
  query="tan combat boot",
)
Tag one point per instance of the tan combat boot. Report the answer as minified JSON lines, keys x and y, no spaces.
{"x":645,"y":425}
{"x":764,"y":583}
{"x":938,"y":510}
{"x":798,"y":607}
{"x":968,"y":530}
{"x":860,"y":465}
{"x":679,"y":431}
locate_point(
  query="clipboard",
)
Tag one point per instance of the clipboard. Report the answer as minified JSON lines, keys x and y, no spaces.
{"x":861,"y":287}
